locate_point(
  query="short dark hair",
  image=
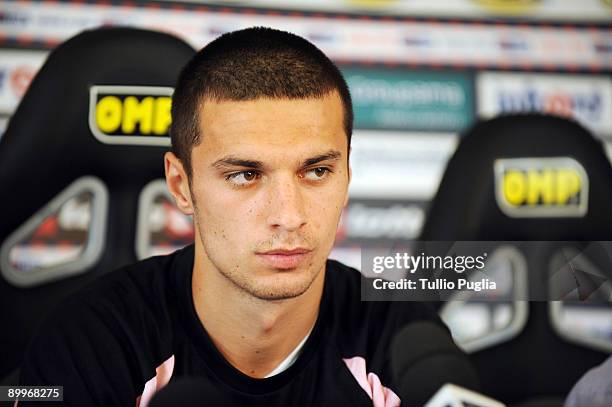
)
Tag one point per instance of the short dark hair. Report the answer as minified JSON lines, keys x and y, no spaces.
{"x":246,"y":65}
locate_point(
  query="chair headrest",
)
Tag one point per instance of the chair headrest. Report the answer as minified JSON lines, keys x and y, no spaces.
{"x":524,"y":177}
{"x":99,"y":106}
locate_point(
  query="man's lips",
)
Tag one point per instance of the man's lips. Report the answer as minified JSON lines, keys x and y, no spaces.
{"x":287,"y":252}
{"x":285,"y":258}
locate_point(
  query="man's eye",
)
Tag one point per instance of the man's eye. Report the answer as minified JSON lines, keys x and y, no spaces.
{"x":242,"y":177}
{"x":317,"y":174}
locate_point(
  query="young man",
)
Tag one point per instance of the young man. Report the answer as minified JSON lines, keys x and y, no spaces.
{"x":262,"y":123}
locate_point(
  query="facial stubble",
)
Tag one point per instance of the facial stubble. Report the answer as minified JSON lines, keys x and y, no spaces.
{"x":246,"y":282}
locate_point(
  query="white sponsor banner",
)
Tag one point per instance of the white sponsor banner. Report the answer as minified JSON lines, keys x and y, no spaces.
{"x":588,"y":99}
{"x":414,"y":42}
{"x":398,"y":165}
{"x":17,"y":68}
{"x":573,"y":10}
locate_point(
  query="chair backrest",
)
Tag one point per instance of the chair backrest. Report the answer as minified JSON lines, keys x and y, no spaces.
{"x":525,"y":178}
{"x":466,"y":206}
{"x":88,"y":135}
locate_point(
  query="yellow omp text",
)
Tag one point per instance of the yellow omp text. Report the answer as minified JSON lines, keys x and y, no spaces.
{"x":151,"y":114}
{"x":541,"y":187}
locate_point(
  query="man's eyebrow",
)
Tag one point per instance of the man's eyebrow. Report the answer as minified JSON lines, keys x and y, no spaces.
{"x":331,"y":155}
{"x":231,"y":161}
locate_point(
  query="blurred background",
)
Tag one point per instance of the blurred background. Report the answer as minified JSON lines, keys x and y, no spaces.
{"x":420,"y":72}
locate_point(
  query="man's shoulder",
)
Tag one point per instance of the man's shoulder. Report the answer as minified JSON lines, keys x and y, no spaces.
{"x":148,"y":282}
{"x":121,"y":322}
{"x":133,"y":298}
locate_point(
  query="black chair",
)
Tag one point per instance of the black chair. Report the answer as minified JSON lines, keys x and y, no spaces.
{"x":92,"y":127}
{"x":537,"y":366}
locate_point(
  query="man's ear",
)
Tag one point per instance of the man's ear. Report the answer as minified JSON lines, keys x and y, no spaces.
{"x":178,"y":183}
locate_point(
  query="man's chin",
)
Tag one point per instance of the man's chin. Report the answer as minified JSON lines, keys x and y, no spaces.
{"x":276,"y":295}
{"x":284,"y":285}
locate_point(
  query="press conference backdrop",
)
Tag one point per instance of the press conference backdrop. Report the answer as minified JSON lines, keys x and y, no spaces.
{"x":420,"y":72}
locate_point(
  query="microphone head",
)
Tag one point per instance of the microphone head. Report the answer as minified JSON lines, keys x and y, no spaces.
{"x":594,"y":389}
{"x":454,"y":396}
{"x":424,"y":358}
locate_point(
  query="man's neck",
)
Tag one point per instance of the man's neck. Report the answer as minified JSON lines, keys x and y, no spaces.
{"x":254,"y":335}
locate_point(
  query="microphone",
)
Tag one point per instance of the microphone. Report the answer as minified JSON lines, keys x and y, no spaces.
{"x":455,"y":396}
{"x":424,"y":358}
{"x":594,"y":389}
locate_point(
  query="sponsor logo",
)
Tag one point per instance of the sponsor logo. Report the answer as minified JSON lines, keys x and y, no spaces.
{"x":587,"y":99}
{"x":130,"y":114}
{"x":399,"y":93}
{"x":374,"y":4}
{"x":417,"y":42}
{"x":71,"y":21}
{"x":603,"y":48}
{"x":392,"y":99}
{"x":12,"y":19}
{"x":509,"y":6}
{"x":20,"y":79}
{"x":216,"y":31}
{"x":394,"y":221}
{"x":513,"y":45}
{"x":541,"y":187}
{"x":588,"y":103}
{"x":17,"y":69}
{"x":319,"y":37}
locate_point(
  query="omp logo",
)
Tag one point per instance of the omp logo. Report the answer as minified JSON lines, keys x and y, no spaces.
{"x":541,"y":187}
{"x":130,"y":114}
{"x":585,"y":104}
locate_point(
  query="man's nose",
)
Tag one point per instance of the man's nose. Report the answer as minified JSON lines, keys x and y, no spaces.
{"x":286,"y":208}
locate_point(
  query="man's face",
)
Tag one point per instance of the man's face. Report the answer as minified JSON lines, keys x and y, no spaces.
{"x":270,"y":179}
